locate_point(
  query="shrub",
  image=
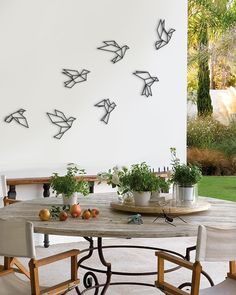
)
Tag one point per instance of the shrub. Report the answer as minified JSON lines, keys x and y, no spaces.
{"x":212,"y":162}
{"x":204,"y":132}
{"x":228,"y":144}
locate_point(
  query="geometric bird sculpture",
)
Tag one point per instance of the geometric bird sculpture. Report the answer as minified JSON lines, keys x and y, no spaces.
{"x":164,"y":37}
{"x":148,"y":81}
{"x":108,"y":106}
{"x":74,"y":77}
{"x":62,"y":122}
{"x":112,"y":46}
{"x":18,"y":117}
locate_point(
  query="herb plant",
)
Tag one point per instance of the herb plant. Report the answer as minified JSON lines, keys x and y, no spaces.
{"x":183,"y":174}
{"x":69,"y":184}
{"x":140,"y":178}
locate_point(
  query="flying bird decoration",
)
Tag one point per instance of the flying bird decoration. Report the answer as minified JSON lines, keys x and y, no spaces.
{"x":112,"y":46}
{"x":164,"y":37}
{"x":108,"y":107}
{"x":60,"y":120}
{"x":74,"y":77}
{"x":148,"y":81}
{"x":18,"y":117}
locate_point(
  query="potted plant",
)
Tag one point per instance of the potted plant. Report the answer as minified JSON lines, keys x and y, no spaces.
{"x":164,"y":186}
{"x":114,"y":178}
{"x":141,"y":181}
{"x":185,"y":177}
{"x":68,"y":185}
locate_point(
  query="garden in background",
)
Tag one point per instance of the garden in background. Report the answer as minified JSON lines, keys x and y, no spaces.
{"x":211,"y":130}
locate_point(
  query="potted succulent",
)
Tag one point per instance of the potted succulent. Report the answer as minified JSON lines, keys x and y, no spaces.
{"x":185,"y":177}
{"x":68,"y":185}
{"x":141,"y":181}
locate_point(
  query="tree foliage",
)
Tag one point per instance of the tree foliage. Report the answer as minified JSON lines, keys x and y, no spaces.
{"x":212,"y":39}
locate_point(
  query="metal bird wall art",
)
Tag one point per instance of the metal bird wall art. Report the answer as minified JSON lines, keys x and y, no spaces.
{"x":112,"y":46}
{"x":60,"y":120}
{"x":18,"y":117}
{"x":148,"y":81}
{"x":108,"y":107}
{"x":74,"y":77}
{"x":164,"y":37}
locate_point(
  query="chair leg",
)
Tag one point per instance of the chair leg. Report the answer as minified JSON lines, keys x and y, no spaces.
{"x":46,"y":241}
{"x":34,"y":277}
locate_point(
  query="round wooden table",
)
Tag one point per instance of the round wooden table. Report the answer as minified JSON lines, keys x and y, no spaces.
{"x":113,"y":223}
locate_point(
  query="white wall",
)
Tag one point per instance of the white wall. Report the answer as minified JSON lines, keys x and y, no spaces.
{"x":40,"y":38}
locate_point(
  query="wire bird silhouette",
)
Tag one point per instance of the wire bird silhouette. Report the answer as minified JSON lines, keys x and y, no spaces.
{"x":18,"y":117}
{"x":108,"y":106}
{"x":148,"y":81}
{"x":74,"y":77}
{"x":61,"y":121}
{"x":112,"y":46}
{"x":164,"y":37}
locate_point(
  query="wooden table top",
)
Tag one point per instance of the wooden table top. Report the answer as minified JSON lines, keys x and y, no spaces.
{"x":112,"y":223}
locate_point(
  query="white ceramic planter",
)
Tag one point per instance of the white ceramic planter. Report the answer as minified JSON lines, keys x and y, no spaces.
{"x":141,"y":199}
{"x":155,"y":197}
{"x":71,"y":200}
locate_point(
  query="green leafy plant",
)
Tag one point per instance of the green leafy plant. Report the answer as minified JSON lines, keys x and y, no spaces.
{"x":140,"y":178}
{"x":69,"y":184}
{"x":183,"y":174}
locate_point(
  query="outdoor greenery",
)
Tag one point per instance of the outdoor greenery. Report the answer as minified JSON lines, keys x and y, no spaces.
{"x":204,"y":106}
{"x":68,"y":184}
{"x":212,"y":145}
{"x":221,"y":187}
{"x":211,"y":48}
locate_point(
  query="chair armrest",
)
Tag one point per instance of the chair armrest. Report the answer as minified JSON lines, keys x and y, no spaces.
{"x":174,"y":259}
{"x":64,"y":286}
{"x":56,"y":257}
{"x":170,"y":289}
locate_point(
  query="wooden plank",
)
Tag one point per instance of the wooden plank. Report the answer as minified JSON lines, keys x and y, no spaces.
{"x":56,"y":257}
{"x":42,"y":180}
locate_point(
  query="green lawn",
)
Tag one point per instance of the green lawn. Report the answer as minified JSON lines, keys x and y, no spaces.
{"x":221,"y":187}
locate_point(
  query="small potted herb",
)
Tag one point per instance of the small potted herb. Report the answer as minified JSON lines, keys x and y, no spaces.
{"x":68,"y":185}
{"x":185,"y":177}
{"x":141,"y":181}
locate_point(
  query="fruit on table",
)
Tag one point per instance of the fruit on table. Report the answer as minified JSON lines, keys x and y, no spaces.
{"x":94,"y":212}
{"x":44,"y":214}
{"x":63,"y":216}
{"x":75,"y":210}
{"x":86,"y":214}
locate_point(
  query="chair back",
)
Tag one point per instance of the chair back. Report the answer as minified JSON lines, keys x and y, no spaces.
{"x":16,"y":238}
{"x":214,"y":244}
{"x":3,"y":186}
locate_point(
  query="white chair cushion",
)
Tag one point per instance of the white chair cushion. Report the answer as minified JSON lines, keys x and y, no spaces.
{"x":227,"y":287}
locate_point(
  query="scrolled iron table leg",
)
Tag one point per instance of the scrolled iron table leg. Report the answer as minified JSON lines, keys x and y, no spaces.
{"x":90,"y":276}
